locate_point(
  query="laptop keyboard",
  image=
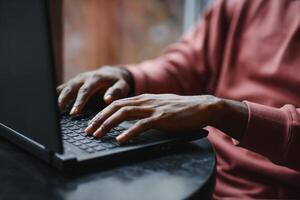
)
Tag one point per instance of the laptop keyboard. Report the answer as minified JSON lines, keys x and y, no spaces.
{"x":73,"y":133}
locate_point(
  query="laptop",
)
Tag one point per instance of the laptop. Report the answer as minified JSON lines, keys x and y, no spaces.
{"x":29,"y":116}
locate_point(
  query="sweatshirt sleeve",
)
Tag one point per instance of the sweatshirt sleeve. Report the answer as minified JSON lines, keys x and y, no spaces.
{"x":189,"y":66}
{"x":274,"y":133}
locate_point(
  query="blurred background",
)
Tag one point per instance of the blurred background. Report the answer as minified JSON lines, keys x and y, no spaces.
{"x":110,"y":32}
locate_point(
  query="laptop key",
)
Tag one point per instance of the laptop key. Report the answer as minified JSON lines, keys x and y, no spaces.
{"x":64,"y":137}
{"x":73,"y":128}
{"x":108,"y":145}
{"x":67,"y":132}
{"x":79,"y":131}
{"x":89,"y":150}
{"x":119,"y":128}
{"x":114,"y":142}
{"x":92,"y":144}
{"x":77,"y":143}
{"x":70,"y":140}
{"x":83,"y":147}
{"x":83,"y":134}
{"x":85,"y":141}
{"x":99,"y":148}
{"x":73,"y":134}
{"x":114,"y":133}
{"x":106,"y":138}
{"x":98,"y":141}
{"x":79,"y":137}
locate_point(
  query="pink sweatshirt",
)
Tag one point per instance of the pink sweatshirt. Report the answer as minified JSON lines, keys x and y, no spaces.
{"x":247,"y":51}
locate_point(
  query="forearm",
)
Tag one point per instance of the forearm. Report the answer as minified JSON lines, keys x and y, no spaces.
{"x":167,"y":74}
{"x":128,"y":77}
{"x":190,"y":66}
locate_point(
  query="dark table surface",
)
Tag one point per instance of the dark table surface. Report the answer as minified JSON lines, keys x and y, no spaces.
{"x":187,"y":172}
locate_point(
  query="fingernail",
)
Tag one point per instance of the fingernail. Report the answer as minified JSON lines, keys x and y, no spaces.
{"x":73,"y":111}
{"x":108,"y":98}
{"x":98,"y":132}
{"x":88,"y":129}
{"x":120,"y":138}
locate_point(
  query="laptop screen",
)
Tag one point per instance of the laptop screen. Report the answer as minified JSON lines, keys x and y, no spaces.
{"x":27,"y":86}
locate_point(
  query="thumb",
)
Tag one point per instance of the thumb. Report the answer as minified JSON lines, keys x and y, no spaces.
{"x":118,"y":90}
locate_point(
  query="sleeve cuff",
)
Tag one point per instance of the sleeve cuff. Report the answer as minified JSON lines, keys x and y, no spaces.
{"x":267,"y":132}
{"x":138,"y":77}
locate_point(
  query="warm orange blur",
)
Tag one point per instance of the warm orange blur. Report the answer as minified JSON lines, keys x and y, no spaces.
{"x":100,"y":32}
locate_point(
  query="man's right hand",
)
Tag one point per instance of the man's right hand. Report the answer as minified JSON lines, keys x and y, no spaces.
{"x":114,"y":82}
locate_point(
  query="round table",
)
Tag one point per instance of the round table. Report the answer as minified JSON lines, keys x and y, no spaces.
{"x":186,"y":171}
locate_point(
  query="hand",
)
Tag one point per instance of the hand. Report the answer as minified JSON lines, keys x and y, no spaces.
{"x":168,"y":112}
{"x":172,"y":113}
{"x":114,"y":81}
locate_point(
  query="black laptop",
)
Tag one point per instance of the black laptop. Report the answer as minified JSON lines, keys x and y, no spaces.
{"x":29,"y":116}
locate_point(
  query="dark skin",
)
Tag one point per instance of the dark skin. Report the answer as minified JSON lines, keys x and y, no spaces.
{"x":169,"y":112}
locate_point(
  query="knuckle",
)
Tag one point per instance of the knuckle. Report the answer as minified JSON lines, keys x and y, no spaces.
{"x":163,"y":114}
{"x":96,"y":119}
{"x":82,"y":75}
{"x":78,"y":102}
{"x":117,"y":91}
{"x":117,"y":103}
{"x":67,"y":89}
{"x":105,"y":125}
{"x":60,"y":87}
{"x":144,"y":96}
{"x":78,"y":79}
{"x":78,"y":76}
{"x":139,"y":123}
{"x":95,"y":122}
{"x":144,"y":123}
{"x":60,"y":99}
{"x":84,"y":90}
{"x":125,"y":110}
{"x":115,"y":106}
{"x":95,"y":76}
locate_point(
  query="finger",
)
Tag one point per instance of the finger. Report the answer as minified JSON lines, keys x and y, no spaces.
{"x":108,"y":111}
{"x":84,"y":93}
{"x":136,"y":129}
{"x":138,"y":99}
{"x":67,"y":94}
{"x":60,"y":88}
{"x":118,"y":90}
{"x":124,"y":114}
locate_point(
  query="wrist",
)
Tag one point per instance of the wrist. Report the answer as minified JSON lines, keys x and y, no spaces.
{"x":216,"y":106}
{"x":128,"y":77}
{"x":230,"y":116}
